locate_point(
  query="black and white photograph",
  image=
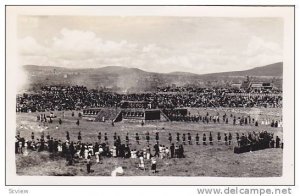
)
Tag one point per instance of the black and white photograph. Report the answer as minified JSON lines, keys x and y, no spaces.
{"x":150,"y":93}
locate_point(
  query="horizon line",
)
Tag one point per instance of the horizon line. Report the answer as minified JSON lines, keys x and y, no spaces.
{"x":125,"y":67}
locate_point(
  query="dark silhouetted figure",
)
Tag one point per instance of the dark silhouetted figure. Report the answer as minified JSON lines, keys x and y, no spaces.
{"x":225,"y":139}
{"x":99,"y":136}
{"x":68,"y":136}
{"x":219,"y":137}
{"x":197,"y":139}
{"x":189,"y":139}
{"x":156,"y":149}
{"x":127,"y":138}
{"x":183,"y":139}
{"x":157,"y":136}
{"x":79,"y":136}
{"x":177,"y":137}
{"x":230,"y":138}
{"x":210,"y":138}
{"x":88,"y":164}
{"x":48,"y":136}
{"x":277,"y":142}
{"x":170,"y":137}
{"x":105,"y":137}
{"x":137,"y":138}
{"x":172,"y":149}
{"x":147,"y":137}
{"x":204,"y":139}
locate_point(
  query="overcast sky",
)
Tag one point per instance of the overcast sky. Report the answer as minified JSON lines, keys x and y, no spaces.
{"x":158,"y":44}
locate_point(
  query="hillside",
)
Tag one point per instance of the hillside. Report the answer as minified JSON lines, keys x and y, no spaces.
{"x":132,"y":79}
{"x":275,"y":69}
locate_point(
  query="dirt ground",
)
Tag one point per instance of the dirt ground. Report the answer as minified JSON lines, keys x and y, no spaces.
{"x":201,"y":160}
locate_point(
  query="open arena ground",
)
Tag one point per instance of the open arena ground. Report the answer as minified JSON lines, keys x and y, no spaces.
{"x":200,"y":160}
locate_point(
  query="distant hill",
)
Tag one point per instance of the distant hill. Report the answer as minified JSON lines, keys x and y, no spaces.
{"x":132,"y":79}
{"x":275,"y":69}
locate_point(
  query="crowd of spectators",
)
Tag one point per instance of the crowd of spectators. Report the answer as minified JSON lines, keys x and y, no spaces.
{"x":257,"y":141}
{"x":190,"y":89}
{"x":50,"y":98}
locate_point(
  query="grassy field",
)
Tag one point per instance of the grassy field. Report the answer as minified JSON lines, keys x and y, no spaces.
{"x":210,"y":160}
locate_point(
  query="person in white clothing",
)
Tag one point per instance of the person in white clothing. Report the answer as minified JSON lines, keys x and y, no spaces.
{"x":161,"y":151}
{"x":25,"y":153}
{"x":167,"y":152}
{"x":91,"y":150}
{"x":20,"y":149}
{"x":114,"y":151}
{"x":86,"y":153}
{"x":133,"y":154}
{"x":59,"y":147}
{"x":142,"y":164}
{"x":97,"y":157}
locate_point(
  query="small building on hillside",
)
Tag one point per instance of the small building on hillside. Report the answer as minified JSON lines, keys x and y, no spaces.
{"x":261,"y":86}
{"x":236,"y":85}
{"x":251,"y":85}
{"x":268,"y":85}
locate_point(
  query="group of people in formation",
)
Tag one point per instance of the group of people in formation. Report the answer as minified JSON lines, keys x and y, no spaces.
{"x":219,"y":119}
{"x":75,"y":151}
{"x":208,"y":118}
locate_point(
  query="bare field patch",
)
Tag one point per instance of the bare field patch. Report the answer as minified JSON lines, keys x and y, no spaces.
{"x":201,"y":160}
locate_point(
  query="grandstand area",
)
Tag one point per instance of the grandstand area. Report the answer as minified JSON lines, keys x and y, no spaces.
{"x":78,"y":111}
